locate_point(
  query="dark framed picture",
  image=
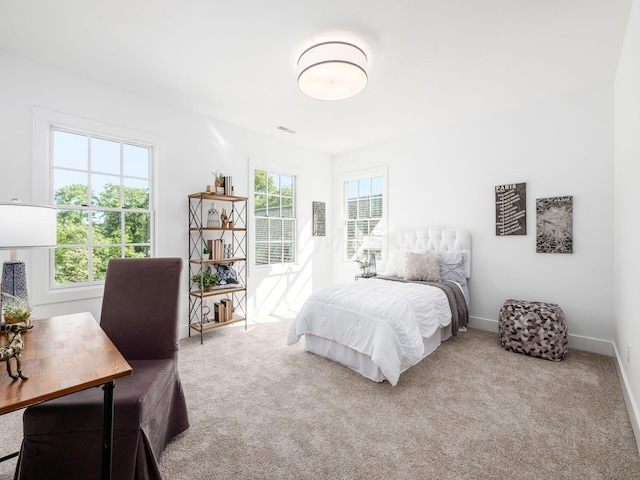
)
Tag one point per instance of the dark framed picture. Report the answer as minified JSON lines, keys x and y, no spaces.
{"x":319,"y":219}
{"x":554,"y":225}
{"x":511,"y":209}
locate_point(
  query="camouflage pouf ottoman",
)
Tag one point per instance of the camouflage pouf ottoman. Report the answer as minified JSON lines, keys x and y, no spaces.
{"x":533,"y":328}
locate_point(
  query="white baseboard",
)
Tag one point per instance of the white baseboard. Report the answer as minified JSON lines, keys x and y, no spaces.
{"x":183,"y":331}
{"x":483,"y":324}
{"x":578,"y":342}
{"x":629,"y":399}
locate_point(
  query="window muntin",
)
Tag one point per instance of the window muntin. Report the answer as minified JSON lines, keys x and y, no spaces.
{"x":363,"y":211}
{"x":101,"y":187}
{"x":275,"y":222}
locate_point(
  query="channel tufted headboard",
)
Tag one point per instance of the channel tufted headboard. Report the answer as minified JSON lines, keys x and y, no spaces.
{"x":433,"y":239}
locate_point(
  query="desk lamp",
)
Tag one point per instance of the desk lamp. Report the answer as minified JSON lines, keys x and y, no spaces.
{"x":23,"y":226}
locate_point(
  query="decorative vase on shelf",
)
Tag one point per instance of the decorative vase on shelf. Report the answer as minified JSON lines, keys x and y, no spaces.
{"x":213,"y":218}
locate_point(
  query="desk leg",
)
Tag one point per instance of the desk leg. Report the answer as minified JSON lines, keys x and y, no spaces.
{"x":107,"y":430}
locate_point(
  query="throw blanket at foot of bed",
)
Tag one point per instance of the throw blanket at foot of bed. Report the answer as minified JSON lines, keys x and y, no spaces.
{"x":384,"y":320}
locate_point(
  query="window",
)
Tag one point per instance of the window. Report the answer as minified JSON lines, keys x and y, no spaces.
{"x":275,"y":222}
{"x":363,"y":212}
{"x":102,"y":188}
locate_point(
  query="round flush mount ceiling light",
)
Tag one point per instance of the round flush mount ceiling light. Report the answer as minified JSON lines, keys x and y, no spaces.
{"x":332,"y":71}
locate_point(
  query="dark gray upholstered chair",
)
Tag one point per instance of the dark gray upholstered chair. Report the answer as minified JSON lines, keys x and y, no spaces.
{"x":63,"y":437}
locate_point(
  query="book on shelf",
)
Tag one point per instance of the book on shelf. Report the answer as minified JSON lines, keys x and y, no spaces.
{"x":218,"y":249}
{"x":220,"y":313}
{"x":228,"y":308}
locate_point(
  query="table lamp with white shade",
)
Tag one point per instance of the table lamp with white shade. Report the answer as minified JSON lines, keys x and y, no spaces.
{"x":372,"y":244}
{"x":23,"y":225}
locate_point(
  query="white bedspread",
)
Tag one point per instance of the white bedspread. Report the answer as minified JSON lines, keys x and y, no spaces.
{"x":384,"y":320}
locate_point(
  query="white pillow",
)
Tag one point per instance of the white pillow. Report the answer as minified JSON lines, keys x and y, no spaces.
{"x":423,"y":267}
{"x":394,"y":267}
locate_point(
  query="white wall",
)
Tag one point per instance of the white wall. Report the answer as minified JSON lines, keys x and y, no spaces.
{"x":193,"y":147}
{"x":562,"y":146}
{"x":627,"y":201}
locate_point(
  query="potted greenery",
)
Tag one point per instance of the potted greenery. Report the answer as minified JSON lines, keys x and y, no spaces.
{"x":15,"y":310}
{"x":206,"y":280}
{"x":364,"y":267}
{"x":218,"y":181}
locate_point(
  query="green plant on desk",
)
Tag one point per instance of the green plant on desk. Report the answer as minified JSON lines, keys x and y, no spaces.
{"x":16,"y":309}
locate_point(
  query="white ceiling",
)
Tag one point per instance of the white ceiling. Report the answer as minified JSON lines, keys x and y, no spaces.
{"x":432,"y":62}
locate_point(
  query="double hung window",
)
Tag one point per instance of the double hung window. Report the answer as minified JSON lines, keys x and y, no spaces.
{"x":275,"y":218}
{"x":363,"y":211}
{"x":102,"y":188}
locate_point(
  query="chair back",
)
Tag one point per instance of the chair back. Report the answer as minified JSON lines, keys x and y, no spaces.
{"x":140,"y":306}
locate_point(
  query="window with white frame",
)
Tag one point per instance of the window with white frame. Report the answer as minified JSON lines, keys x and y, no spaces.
{"x":363,"y":211}
{"x":275,"y":218}
{"x":102,"y":189}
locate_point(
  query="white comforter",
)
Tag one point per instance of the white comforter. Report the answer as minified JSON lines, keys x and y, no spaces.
{"x":382,"y":319}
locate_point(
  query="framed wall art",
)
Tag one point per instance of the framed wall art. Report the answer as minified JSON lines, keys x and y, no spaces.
{"x":511,"y":209}
{"x":554,"y":225}
{"x":319,"y":219}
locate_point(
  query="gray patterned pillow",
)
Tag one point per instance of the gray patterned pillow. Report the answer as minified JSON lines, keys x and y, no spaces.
{"x":452,"y":267}
{"x":424,"y":267}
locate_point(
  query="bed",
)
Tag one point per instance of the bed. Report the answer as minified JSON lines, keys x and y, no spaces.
{"x":384,"y":325}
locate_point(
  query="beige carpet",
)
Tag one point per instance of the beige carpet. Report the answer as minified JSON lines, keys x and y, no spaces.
{"x":262,"y":410}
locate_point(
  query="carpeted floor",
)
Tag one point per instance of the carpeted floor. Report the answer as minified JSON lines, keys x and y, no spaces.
{"x":262,"y":410}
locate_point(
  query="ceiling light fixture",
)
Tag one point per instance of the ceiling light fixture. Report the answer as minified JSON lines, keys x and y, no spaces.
{"x":332,"y":71}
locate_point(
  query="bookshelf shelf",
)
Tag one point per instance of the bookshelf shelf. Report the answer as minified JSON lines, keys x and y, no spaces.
{"x":205,"y":327}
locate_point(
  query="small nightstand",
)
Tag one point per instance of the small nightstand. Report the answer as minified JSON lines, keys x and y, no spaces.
{"x":358,"y":277}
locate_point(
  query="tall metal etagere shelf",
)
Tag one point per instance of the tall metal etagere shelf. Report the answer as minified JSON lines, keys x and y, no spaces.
{"x":199,"y":262}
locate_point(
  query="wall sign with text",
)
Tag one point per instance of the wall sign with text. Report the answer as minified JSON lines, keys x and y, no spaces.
{"x":511,"y":209}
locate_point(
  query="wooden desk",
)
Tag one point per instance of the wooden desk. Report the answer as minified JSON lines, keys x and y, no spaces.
{"x":63,"y":355}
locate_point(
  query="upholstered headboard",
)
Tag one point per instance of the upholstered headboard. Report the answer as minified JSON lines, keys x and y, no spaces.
{"x":438,"y":239}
